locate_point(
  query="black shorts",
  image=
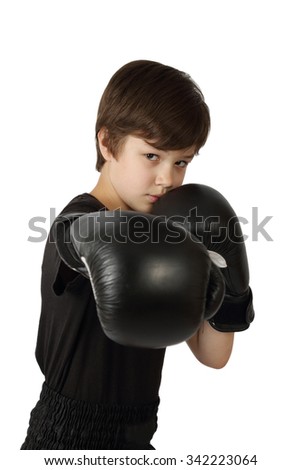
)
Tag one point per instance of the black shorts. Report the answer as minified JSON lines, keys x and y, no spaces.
{"x":61,"y":423}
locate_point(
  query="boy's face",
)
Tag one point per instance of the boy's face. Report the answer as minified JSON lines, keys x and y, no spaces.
{"x":140,"y":174}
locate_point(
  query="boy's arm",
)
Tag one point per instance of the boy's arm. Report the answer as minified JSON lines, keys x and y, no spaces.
{"x":211,"y":347}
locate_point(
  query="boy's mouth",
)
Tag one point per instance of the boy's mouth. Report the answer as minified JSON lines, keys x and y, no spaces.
{"x":153,"y":197}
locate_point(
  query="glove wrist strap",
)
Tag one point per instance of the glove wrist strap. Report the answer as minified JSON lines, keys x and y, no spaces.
{"x":235,"y":314}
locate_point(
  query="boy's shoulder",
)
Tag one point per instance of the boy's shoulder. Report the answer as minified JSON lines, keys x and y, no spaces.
{"x":83,"y":203}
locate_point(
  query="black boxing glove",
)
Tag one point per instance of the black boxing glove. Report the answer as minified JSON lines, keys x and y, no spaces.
{"x":153,"y":283}
{"x":209,"y":217}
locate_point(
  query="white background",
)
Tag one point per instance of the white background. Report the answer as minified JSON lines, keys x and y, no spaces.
{"x":56,"y":59}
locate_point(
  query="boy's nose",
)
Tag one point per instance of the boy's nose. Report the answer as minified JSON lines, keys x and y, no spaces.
{"x":165,"y":178}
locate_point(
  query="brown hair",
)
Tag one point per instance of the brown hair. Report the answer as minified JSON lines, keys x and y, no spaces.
{"x":156,"y":102}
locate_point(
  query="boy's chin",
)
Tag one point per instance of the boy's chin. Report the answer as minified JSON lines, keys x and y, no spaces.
{"x":139,"y":206}
{"x":144,"y":209}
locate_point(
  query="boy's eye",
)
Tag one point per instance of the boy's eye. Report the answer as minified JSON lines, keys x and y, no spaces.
{"x":182,"y":163}
{"x":152,"y":157}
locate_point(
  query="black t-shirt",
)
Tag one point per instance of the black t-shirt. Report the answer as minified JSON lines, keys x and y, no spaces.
{"x":74,"y":354}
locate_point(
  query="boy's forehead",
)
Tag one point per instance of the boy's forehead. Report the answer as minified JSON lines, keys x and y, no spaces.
{"x":151,"y":144}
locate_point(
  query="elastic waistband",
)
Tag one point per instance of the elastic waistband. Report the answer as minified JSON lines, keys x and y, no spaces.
{"x":59,"y":422}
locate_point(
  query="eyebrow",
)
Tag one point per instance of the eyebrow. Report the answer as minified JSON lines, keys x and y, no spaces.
{"x":188,"y":156}
{"x":158,"y":150}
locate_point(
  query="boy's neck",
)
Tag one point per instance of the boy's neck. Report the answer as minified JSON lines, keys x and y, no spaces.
{"x":105,"y":193}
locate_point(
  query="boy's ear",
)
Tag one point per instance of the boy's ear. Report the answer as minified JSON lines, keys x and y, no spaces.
{"x":103,"y":143}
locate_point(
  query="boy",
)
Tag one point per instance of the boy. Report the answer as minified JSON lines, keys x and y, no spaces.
{"x":98,"y":394}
